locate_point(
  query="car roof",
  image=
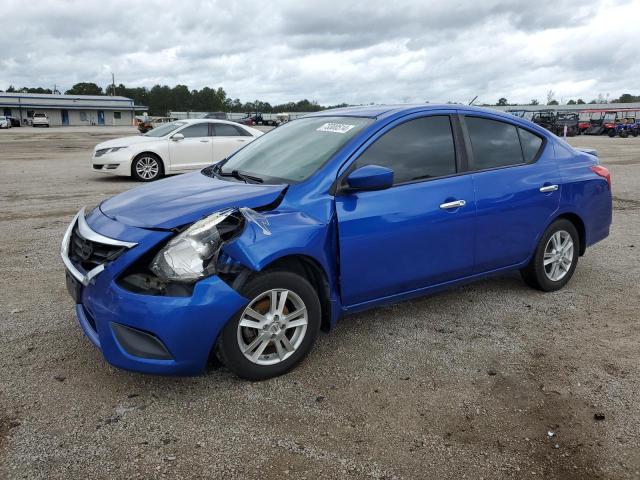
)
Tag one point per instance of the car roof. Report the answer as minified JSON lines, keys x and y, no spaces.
{"x":208,"y":120}
{"x":381,"y":111}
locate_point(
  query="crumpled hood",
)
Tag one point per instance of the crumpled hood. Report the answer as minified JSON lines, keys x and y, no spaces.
{"x":180,"y":200}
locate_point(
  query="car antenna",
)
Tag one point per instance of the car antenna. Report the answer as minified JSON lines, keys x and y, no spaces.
{"x":474,"y":99}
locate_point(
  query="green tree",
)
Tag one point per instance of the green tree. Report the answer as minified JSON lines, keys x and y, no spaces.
{"x":571,"y":102}
{"x":84,"y":88}
{"x":580,"y":101}
{"x":553,"y":102}
{"x":627,"y":98}
{"x":534,"y":101}
{"x":502,"y":102}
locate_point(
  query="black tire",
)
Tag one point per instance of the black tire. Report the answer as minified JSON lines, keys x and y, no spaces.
{"x":146,"y":158}
{"x":611,"y":132}
{"x":535,"y":275}
{"x":229,"y":350}
{"x":624,"y":134}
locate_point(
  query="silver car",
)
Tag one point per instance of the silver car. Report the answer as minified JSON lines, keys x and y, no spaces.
{"x":5,"y":122}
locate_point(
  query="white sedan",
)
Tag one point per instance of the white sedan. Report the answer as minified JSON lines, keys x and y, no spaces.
{"x":175,"y":147}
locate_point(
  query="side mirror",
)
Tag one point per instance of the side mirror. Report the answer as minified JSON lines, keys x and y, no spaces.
{"x":370,"y":177}
{"x":177,"y":137}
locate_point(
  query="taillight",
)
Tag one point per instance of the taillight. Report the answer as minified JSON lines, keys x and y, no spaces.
{"x":602,"y":172}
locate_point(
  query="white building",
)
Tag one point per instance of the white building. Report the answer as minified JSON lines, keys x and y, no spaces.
{"x":70,"y":109}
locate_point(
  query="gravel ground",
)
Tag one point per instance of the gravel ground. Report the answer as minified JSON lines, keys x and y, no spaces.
{"x":464,"y":384}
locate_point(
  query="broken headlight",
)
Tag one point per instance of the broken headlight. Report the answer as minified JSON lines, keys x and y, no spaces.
{"x":192,"y":254}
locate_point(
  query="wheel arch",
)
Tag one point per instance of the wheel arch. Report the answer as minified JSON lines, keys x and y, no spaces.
{"x":577,"y":222}
{"x":309,"y":268}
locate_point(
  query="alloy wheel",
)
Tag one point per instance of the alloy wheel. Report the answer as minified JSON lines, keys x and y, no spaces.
{"x":272,"y":327}
{"x":147,"y":168}
{"x":558,"y":255}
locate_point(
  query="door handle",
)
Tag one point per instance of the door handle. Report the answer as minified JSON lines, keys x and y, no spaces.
{"x":549,"y":188}
{"x":241,"y":140}
{"x":204,"y":141}
{"x":455,"y":204}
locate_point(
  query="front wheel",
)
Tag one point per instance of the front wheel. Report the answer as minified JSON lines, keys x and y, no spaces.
{"x":555,"y":258}
{"x":277,"y":328}
{"x":147,"y":167}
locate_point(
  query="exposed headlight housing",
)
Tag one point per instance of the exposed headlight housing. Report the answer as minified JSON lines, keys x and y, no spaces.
{"x":192,"y":254}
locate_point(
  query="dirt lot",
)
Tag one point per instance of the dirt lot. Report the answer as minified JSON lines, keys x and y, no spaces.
{"x":465,"y":384}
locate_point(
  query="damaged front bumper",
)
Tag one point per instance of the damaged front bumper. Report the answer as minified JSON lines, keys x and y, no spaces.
{"x":158,"y":334}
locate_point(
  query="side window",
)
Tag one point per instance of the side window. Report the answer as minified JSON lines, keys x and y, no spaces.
{"x":197,"y":130}
{"x":531,"y":144}
{"x":226,"y":130}
{"x":494,"y":144}
{"x":418,"y":149}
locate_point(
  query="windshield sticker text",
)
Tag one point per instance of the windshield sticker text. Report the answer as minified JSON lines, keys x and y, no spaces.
{"x":335,"y":127}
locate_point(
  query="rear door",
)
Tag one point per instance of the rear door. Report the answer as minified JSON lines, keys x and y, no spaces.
{"x":227,"y":139}
{"x":409,"y":236}
{"x":194,"y":150}
{"x":517,"y":189}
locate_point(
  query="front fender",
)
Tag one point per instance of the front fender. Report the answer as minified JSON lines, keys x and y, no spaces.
{"x":290,"y":233}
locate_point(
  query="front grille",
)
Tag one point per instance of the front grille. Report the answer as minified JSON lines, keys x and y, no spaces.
{"x":89,"y":254}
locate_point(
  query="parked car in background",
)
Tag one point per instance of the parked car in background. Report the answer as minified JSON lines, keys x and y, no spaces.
{"x":149,"y":123}
{"x":14,"y":122}
{"x":40,"y":120}
{"x":5,"y":122}
{"x":174,"y":147}
{"x":337,"y":212}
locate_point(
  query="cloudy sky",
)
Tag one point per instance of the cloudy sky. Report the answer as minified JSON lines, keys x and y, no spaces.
{"x":330,"y":51}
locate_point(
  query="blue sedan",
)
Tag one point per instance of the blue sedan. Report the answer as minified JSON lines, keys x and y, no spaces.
{"x":337,"y":212}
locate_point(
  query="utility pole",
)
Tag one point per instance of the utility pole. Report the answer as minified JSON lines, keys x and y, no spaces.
{"x":113,"y":85}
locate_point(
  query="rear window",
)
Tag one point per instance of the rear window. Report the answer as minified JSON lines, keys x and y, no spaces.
{"x":531,"y":144}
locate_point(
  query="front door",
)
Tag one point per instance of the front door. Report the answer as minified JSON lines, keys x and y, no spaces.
{"x":100,"y":117}
{"x":517,"y":184}
{"x":193,"y":151}
{"x":65,"y":117}
{"x":412,"y":235}
{"x":227,"y":139}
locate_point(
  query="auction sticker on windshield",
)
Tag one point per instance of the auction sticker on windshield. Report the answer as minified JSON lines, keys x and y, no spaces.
{"x":335,"y":127}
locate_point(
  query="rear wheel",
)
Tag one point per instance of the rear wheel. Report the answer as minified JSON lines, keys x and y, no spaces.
{"x":555,"y":258}
{"x":147,"y":167}
{"x":611,"y":132}
{"x":275,"y":331}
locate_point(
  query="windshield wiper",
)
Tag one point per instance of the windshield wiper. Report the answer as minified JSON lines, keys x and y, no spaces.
{"x":240,"y":176}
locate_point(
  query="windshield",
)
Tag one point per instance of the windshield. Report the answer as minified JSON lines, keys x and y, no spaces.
{"x":164,"y":129}
{"x":296,"y":150}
